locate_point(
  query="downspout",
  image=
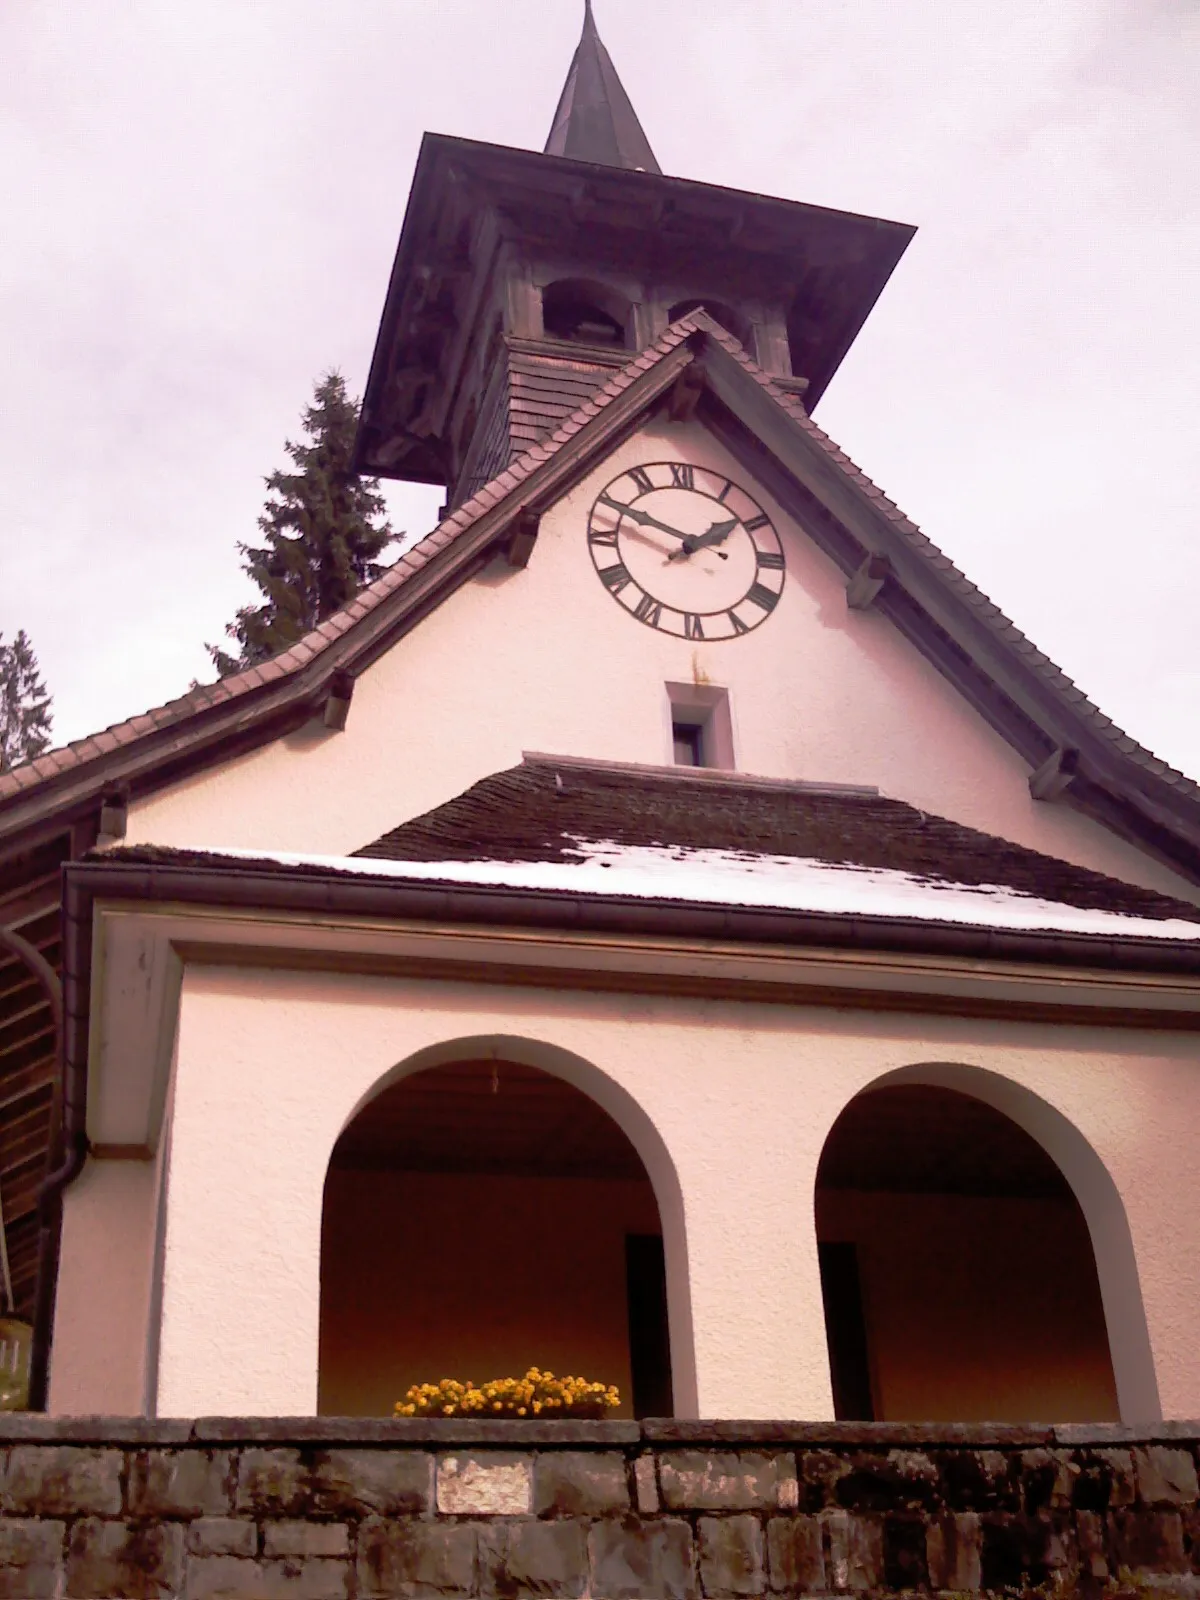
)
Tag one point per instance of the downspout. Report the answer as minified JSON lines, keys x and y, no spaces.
{"x":71,"y":1141}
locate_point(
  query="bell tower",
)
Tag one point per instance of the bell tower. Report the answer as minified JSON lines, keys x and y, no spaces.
{"x":523,"y":280}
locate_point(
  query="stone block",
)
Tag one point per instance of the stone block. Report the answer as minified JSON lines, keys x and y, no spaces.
{"x":491,"y":1485}
{"x":1165,"y":1476}
{"x":977,"y":1480}
{"x":577,"y":1483}
{"x":1018,"y":1553}
{"x":645,"y":1485}
{"x":953,"y":1551}
{"x":415,"y":1559}
{"x":306,"y":1539}
{"x":819,"y":1473}
{"x":900,"y":1480}
{"x":731,"y":1555}
{"x":855,"y":1551}
{"x":272,"y":1483}
{"x":1091,"y":1531}
{"x":1116,"y":1468}
{"x":1048,"y":1478}
{"x":630,"y":1559}
{"x":795,"y":1555}
{"x":181,"y":1483}
{"x":787,"y":1490}
{"x":222,"y":1536}
{"x":30,"y":1559}
{"x":542,"y":1558}
{"x":721,"y":1480}
{"x":904,"y":1556}
{"x":63,"y":1481}
{"x":110,"y":1559}
{"x":1148,"y":1541}
{"x":229,"y":1578}
{"x":384,"y":1483}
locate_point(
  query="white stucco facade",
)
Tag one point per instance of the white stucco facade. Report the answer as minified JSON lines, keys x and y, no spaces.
{"x":190,"y":1268}
{"x":271,"y":1067}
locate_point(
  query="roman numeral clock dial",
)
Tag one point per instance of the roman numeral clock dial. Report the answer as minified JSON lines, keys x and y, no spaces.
{"x":686,"y":550}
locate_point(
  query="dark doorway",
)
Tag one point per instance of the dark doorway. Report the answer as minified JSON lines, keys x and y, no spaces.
{"x":649,"y":1338}
{"x":846,"y":1332}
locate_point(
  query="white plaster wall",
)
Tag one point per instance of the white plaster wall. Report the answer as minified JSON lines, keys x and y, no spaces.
{"x":272,"y":1065}
{"x":98,"y":1355}
{"x":545,"y":660}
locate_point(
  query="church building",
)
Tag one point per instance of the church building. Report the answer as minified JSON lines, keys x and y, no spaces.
{"x":671,"y":928}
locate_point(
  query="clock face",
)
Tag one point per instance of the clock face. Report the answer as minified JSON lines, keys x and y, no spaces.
{"x":686,"y":550}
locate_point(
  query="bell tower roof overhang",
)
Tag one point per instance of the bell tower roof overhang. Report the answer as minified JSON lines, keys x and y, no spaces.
{"x":471,"y":201}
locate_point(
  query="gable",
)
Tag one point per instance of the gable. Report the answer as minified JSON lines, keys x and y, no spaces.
{"x":1040,"y":720}
{"x":545,"y":658}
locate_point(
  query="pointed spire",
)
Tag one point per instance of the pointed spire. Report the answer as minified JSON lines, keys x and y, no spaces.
{"x":595,"y":120}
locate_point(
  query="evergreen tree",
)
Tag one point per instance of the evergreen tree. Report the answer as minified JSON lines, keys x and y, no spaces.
{"x":24,"y":704}
{"x":322,"y":535}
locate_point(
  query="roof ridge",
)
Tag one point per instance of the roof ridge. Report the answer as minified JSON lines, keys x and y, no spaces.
{"x":707,"y":776}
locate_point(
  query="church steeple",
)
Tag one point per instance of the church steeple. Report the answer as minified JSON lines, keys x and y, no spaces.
{"x":524,"y":280}
{"x":595,"y":120}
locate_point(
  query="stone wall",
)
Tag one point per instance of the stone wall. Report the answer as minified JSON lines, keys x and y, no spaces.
{"x":328,"y":1509}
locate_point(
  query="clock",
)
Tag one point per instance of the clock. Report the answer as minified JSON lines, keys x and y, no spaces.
{"x":686,"y":550}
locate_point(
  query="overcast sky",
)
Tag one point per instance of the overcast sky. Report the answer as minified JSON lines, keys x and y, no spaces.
{"x":200,"y":204}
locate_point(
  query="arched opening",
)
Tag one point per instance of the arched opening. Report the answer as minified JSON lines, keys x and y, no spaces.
{"x":719,"y":312}
{"x":957,"y":1267}
{"x":583,"y":312}
{"x":482,"y":1216}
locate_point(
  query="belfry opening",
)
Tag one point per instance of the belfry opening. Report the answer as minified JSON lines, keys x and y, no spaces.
{"x":957,"y":1268}
{"x":482,"y":1217}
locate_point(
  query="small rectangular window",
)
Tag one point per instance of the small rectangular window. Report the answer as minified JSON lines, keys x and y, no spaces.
{"x":688,"y":738}
{"x":701,"y":729}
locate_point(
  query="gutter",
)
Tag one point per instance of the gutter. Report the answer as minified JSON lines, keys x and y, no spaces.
{"x":262,"y":887}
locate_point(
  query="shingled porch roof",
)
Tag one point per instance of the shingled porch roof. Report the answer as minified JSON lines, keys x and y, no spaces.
{"x":557,"y":809}
{"x":820,"y":861}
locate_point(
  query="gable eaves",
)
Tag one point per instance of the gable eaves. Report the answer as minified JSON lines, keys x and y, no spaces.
{"x":1030,"y":701}
{"x":215,"y":722}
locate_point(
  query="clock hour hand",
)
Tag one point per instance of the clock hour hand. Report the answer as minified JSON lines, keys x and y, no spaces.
{"x":717,"y":534}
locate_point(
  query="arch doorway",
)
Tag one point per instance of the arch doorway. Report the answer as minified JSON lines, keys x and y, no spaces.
{"x":957,"y":1268}
{"x":482,"y":1217}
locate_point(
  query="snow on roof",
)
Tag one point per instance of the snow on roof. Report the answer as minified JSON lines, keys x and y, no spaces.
{"x":739,"y":878}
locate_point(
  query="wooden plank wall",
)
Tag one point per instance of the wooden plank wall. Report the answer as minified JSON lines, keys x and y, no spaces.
{"x":30,"y":903}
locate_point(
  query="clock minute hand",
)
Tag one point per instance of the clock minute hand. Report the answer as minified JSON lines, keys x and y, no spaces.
{"x":647,"y":521}
{"x":717,"y":534}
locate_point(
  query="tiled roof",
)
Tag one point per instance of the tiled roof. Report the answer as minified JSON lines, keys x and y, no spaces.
{"x":984,"y":609}
{"x":545,"y":389}
{"x":208,"y":696}
{"x":543,"y":809}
